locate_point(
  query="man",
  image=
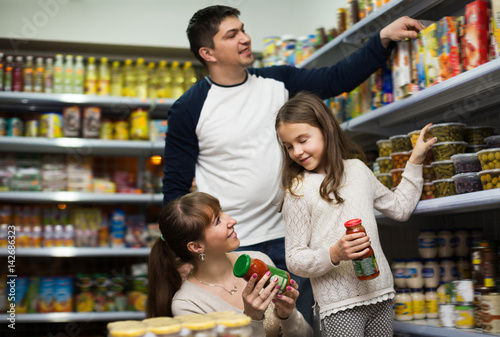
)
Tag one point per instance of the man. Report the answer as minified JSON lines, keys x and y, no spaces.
{"x":222,"y":129}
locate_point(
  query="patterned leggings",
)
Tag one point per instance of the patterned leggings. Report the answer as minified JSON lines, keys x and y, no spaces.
{"x":374,"y":320}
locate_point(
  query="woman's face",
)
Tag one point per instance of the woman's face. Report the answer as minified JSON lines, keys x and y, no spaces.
{"x":220,"y":236}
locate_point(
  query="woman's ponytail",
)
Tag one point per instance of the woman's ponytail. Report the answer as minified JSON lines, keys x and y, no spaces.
{"x":164,"y":280}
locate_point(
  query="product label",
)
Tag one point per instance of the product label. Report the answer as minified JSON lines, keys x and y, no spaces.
{"x":403,"y":308}
{"x":431,"y":306}
{"x":427,"y":272}
{"x":411,"y":272}
{"x":441,"y":242}
{"x":281,"y":275}
{"x":366,"y":266}
{"x":418,"y":307}
{"x":400,"y":273}
{"x":427,"y":243}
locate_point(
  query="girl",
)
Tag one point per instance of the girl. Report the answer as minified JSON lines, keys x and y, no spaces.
{"x":196,"y":231}
{"x":323,"y":190}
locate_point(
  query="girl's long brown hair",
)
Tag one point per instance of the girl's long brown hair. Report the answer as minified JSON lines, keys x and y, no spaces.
{"x":181,"y":221}
{"x":310,"y":109}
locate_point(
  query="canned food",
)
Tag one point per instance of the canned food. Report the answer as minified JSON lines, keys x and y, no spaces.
{"x":464,"y":291}
{"x":478,"y":315}
{"x":490,"y":312}
{"x":31,"y":129}
{"x":464,"y":316}
{"x":450,"y":292}
{"x":91,"y":122}
{"x":447,"y":315}
{"x":71,"y":127}
{"x":106,"y":131}
{"x":51,"y":125}
{"x":139,"y":125}
{"x":14,"y":127}
{"x":121,"y":130}
{"x":3,"y":126}
{"x":483,"y":264}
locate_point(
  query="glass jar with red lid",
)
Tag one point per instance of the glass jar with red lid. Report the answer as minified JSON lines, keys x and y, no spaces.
{"x":366,"y":267}
{"x":245,"y":267}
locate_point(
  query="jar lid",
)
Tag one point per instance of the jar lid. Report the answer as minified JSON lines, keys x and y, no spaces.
{"x":430,"y":289}
{"x":382,"y":141}
{"x":446,"y":124}
{"x":234,"y":321}
{"x":242,"y":265}
{"x":399,"y":260}
{"x":416,"y":290}
{"x":383,"y":158}
{"x":430,"y":260}
{"x":352,"y":223}
{"x":447,"y":143}
{"x":446,"y":259}
{"x":414,"y":260}
{"x":398,"y":136}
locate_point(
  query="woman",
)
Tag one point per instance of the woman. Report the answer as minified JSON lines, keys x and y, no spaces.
{"x":196,"y":231}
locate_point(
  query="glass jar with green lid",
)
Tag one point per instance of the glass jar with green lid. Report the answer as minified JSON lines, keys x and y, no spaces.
{"x":245,"y":267}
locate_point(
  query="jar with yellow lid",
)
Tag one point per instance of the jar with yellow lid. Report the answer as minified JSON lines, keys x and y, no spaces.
{"x":127,"y":329}
{"x":164,"y":326}
{"x":200,"y":326}
{"x":236,"y":325}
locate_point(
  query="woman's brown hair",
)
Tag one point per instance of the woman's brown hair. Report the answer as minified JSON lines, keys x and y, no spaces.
{"x":310,"y":109}
{"x":181,"y":221}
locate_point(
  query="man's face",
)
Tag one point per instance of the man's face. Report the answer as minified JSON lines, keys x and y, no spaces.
{"x":232,"y":46}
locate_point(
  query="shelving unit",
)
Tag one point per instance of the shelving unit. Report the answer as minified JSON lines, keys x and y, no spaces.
{"x":79,"y":252}
{"x":55,"y":317}
{"x":79,"y":197}
{"x":472,"y":97}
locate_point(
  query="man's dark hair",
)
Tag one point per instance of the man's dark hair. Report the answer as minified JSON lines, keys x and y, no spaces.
{"x":204,"y":25}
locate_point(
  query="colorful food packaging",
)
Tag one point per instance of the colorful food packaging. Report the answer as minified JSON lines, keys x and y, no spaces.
{"x":477,"y":36}
{"x":449,"y":56}
{"x":401,"y":70}
{"x":63,"y":294}
{"x":71,"y":121}
{"x":431,"y":49}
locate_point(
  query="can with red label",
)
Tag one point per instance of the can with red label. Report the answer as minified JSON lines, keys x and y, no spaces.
{"x":490,"y":312}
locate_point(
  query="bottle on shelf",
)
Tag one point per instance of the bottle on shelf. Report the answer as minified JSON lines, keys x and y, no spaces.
{"x":79,"y":84}
{"x":38,"y":76}
{"x":69,"y":75}
{"x":164,"y":80}
{"x":129,"y":79}
{"x":48,"y":76}
{"x":1,"y":71}
{"x":17,"y":74}
{"x":189,"y":75}
{"x":28,"y":74}
{"x":141,"y":71}
{"x":177,"y":80}
{"x":91,"y":77}
{"x":104,"y":78}
{"x":152,"y":81}
{"x":8,"y":73}
{"x":58,"y":74}
{"x":116,"y":79}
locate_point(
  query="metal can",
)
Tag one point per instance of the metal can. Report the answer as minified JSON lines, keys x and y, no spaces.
{"x":447,"y":315}
{"x":139,"y":125}
{"x":51,"y":125}
{"x":121,"y":130}
{"x":490,"y":312}
{"x":483,"y":264}
{"x":31,"y":129}
{"x":14,"y":127}
{"x":478,"y":294}
{"x":106,"y":131}
{"x":3,"y":126}
{"x":464,"y":290}
{"x":464,"y":316}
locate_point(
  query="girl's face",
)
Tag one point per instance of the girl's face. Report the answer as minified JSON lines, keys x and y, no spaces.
{"x":220,"y":236}
{"x":305,"y":145}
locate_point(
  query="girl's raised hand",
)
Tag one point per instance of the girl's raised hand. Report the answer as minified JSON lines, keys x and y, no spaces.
{"x":421,"y":147}
{"x":349,"y":247}
{"x":285,"y":302}
{"x":256,"y":297}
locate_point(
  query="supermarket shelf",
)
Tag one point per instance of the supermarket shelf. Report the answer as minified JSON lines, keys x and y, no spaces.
{"x":79,"y":252}
{"x":77,"y":197}
{"x":55,"y":317}
{"x":460,"y":97}
{"x":411,"y":329}
{"x":349,"y":41}
{"x":30,"y":102}
{"x":460,"y":203}
{"x":81,"y":146}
